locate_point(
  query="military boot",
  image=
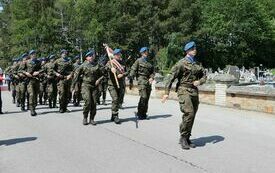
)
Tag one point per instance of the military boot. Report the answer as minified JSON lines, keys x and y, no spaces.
{"x":54,"y":104}
{"x":50,"y":103}
{"x":23,"y":108}
{"x":191,"y":145}
{"x":184,"y":144}
{"x":85,"y":121}
{"x":33,"y":113}
{"x":40,"y":100}
{"x":115,"y":118}
{"x":92,"y":121}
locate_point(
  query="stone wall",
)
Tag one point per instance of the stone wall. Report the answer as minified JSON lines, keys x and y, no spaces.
{"x":234,"y":97}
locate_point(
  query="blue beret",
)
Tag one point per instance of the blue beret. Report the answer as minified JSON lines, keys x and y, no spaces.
{"x":90,"y":53}
{"x":117,"y":51}
{"x":19,"y":58}
{"x":51,"y":56}
{"x":143,"y":49}
{"x":189,"y":46}
{"x":63,"y":51}
{"x":77,"y":57}
{"x":44,"y":59}
{"x":24,"y":55}
{"x":32,"y":52}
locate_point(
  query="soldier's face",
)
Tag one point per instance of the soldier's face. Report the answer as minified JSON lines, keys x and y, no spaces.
{"x":63,"y":55}
{"x":192,"y":52}
{"x":33,"y":56}
{"x":90,"y":58}
{"x":118,"y":56}
{"x":145,"y":54}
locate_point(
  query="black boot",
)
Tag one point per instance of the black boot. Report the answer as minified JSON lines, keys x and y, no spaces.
{"x":115,"y":118}
{"x":85,"y":121}
{"x":54,"y":104}
{"x":50,"y":103}
{"x":33,"y":113}
{"x":92,"y":121}
{"x":40,"y":100}
{"x":23,"y":108}
{"x":191,"y":145}
{"x":184,"y":144}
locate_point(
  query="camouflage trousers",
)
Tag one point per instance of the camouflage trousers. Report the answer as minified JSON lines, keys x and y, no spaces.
{"x":117,"y":97}
{"x":52,"y":93}
{"x":189,"y":104}
{"x":64,"y":93}
{"x":77,"y":93}
{"x":102,"y":90}
{"x":43,"y":92}
{"x":33,"y":89}
{"x":17,"y":91}
{"x":89,"y":95}
{"x":144,"y":93}
{"x":23,"y":94}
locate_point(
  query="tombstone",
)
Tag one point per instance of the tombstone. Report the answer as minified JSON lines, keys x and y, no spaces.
{"x":234,"y":70}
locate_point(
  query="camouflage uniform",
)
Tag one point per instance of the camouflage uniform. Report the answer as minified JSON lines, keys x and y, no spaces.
{"x":77,"y":87}
{"x":91,"y":73}
{"x":143,"y":68}
{"x":103,"y":86}
{"x":23,"y":83}
{"x":33,"y":65}
{"x":186,"y":72}
{"x":64,"y":67}
{"x":51,"y":83}
{"x":116,"y":93}
{"x":43,"y":95}
{"x":15,"y":83}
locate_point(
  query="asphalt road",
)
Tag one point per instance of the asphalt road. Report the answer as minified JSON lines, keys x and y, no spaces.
{"x":228,"y":141}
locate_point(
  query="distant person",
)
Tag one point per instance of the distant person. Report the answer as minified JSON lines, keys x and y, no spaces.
{"x":189,"y":74}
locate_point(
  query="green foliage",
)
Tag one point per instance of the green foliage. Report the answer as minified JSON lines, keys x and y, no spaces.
{"x":240,"y":32}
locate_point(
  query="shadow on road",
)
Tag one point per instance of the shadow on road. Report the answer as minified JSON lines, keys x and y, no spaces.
{"x":202,"y":141}
{"x":134,"y":119}
{"x":13,"y":112}
{"x":126,"y":107}
{"x":16,"y":140}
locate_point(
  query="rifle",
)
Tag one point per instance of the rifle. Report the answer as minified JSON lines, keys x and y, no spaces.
{"x":110,"y":55}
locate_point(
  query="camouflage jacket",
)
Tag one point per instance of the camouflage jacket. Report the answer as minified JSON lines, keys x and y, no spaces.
{"x":63,"y":66}
{"x":90,"y":72}
{"x":186,"y":73}
{"x":144,"y":69}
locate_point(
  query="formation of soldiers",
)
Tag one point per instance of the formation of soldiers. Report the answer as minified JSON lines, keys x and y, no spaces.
{"x":44,"y":80}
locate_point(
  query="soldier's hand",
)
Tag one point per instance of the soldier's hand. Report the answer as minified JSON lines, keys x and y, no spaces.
{"x":97,"y":82}
{"x":196,"y":83}
{"x":164,"y":98}
{"x":113,"y":70}
{"x":151,"y":80}
{"x":28,"y":74}
{"x":69,"y":77}
{"x":120,"y":76}
{"x":35,"y":73}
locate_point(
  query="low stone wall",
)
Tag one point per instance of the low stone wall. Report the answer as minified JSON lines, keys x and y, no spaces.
{"x":233,"y":97}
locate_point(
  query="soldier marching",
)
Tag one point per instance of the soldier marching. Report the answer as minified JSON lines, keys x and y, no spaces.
{"x":47,"y":79}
